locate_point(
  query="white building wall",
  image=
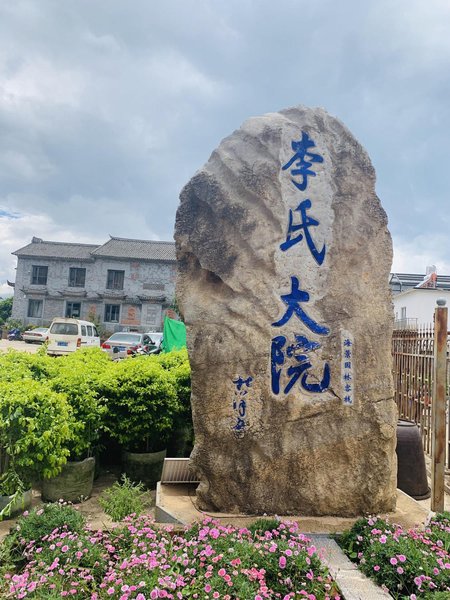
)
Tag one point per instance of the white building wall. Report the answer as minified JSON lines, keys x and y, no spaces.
{"x":418,"y":304}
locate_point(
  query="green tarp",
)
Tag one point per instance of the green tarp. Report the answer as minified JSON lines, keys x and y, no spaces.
{"x":174,"y":335}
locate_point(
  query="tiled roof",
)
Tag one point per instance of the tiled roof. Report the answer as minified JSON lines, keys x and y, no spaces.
{"x":44,"y":249}
{"x":138,"y":249}
{"x":404,"y":281}
{"x":113,"y":248}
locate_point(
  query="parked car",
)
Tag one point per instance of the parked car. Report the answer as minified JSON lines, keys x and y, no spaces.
{"x":38,"y":335}
{"x":67,"y":335}
{"x":123,"y":343}
{"x":156,"y":338}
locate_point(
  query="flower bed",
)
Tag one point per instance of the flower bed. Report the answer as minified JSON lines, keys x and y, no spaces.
{"x":410,"y":564}
{"x":139,"y":562}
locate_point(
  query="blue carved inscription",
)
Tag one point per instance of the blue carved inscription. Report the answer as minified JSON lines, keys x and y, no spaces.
{"x":240,"y":404}
{"x":302,"y":161}
{"x":293,"y":301}
{"x":303,"y":231}
{"x":298,"y":354}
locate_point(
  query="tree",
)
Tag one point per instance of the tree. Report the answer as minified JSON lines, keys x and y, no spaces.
{"x":5,"y":309}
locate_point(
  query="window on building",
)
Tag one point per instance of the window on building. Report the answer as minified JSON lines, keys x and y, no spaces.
{"x":73,"y":310}
{"x":112,"y":313}
{"x":39,"y":275}
{"x":35,"y":309}
{"x":77,"y":277}
{"x":115,"y":280}
{"x":403,"y":312}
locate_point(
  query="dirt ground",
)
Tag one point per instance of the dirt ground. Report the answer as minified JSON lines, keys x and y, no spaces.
{"x":94,"y":513}
{"x":15,"y":345}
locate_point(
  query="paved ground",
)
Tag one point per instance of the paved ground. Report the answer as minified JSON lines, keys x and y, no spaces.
{"x":22,"y":346}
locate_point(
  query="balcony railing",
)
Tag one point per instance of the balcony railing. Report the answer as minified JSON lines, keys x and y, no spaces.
{"x":406,"y":324}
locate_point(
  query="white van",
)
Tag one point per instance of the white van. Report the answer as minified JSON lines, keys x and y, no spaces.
{"x":67,"y":335}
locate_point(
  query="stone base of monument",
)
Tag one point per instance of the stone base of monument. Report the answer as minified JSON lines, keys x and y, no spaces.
{"x":176,"y":504}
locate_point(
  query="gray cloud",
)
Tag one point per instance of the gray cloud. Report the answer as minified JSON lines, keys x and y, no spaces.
{"x":107,"y":108}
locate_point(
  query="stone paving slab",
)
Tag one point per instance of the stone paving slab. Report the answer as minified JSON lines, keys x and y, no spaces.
{"x":176,"y":503}
{"x":354,"y":585}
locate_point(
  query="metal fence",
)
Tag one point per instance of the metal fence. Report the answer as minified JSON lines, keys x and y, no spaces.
{"x":413,"y":362}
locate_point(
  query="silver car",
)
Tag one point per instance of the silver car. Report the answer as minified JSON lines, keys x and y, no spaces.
{"x":155,"y":337}
{"x":123,"y":344}
{"x":37,"y":335}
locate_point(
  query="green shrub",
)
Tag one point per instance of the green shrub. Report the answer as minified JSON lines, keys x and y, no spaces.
{"x":177,"y":363}
{"x":41,"y":521}
{"x":15,"y":366}
{"x":410,"y":563}
{"x":36,"y":524}
{"x":122,"y":499}
{"x":142,"y":404}
{"x":82,"y":377}
{"x":262,"y":525}
{"x":35,"y":426}
{"x":5,"y":309}
{"x":359,"y":537}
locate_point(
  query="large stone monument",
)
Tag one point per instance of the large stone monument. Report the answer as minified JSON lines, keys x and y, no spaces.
{"x":284,"y":256}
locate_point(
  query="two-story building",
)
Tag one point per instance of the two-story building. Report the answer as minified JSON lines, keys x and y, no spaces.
{"x":125,"y":284}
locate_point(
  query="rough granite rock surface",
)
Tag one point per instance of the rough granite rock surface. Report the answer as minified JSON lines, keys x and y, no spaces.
{"x":319,"y":448}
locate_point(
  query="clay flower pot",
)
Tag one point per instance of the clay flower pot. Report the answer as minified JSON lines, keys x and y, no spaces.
{"x":73,"y":484}
{"x":15,"y":506}
{"x":144,"y":466}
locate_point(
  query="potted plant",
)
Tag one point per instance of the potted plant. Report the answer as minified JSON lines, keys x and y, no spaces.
{"x":80,"y":377}
{"x":141,"y":411}
{"x":35,"y":426}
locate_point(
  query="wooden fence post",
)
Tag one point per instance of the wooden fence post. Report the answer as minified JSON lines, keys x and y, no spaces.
{"x":438,"y":407}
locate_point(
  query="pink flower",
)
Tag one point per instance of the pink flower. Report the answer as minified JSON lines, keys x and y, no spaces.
{"x":376,"y":568}
{"x":222,"y":572}
{"x":383,"y":539}
{"x":401,"y":558}
{"x":282,"y":562}
{"x":207,"y":588}
{"x":393,"y":560}
{"x":400,"y":570}
{"x":64,"y":548}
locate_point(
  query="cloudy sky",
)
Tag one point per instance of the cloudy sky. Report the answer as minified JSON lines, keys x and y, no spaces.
{"x":108,"y":107}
